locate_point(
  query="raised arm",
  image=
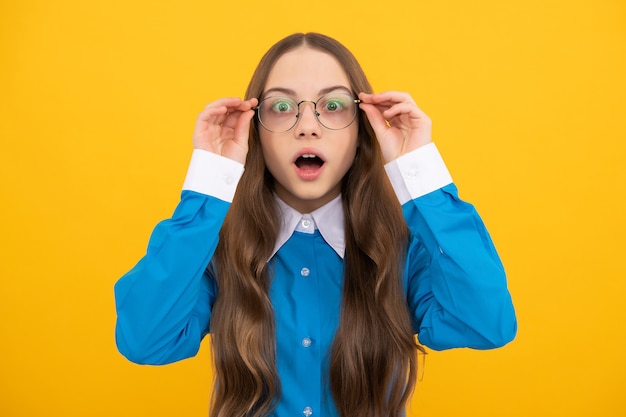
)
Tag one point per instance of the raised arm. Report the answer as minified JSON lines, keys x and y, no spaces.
{"x":164,"y":303}
{"x":456,"y":284}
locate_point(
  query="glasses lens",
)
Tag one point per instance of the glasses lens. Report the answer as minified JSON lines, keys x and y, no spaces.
{"x":336,"y":110}
{"x":278,"y":114}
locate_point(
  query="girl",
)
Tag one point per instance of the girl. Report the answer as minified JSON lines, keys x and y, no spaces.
{"x":314,"y":267}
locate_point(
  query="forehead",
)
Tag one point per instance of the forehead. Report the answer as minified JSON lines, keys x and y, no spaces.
{"x":306,"y":71}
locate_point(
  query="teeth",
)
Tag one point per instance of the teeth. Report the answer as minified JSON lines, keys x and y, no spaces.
{"x":308,"y":155}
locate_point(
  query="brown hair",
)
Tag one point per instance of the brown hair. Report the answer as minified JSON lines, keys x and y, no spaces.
{"x":373,"y":362}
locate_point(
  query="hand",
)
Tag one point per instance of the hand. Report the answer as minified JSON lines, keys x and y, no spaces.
{"x":399,"y":124}
{"x":223,"y":126}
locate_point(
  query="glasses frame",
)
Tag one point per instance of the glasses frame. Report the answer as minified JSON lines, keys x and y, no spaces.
{"x":315,"y":112}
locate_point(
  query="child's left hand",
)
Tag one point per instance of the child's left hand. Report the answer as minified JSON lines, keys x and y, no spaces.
{"x":399,"y":124}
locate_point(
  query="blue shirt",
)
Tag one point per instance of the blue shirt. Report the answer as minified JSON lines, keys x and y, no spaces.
{"x":455,"y":284}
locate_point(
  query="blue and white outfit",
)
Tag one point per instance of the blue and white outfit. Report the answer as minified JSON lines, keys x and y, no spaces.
{"x":455,"y":283}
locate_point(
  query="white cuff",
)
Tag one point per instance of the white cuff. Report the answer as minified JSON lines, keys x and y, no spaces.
{"x":418,"y":173}
{"x":213,"y":175}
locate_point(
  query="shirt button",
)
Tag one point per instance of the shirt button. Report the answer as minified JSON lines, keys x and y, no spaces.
{"x":307,"y":411}
{"x":306,"y":223}
{"x":305,"y":272}
{"x":412,"y":173}
{"x":228,"y":179}
{"x":306,"y":342}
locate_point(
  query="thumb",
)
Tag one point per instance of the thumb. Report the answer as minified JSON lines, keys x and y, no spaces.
{"x":375,"y":117}
{"x":242,"y":128}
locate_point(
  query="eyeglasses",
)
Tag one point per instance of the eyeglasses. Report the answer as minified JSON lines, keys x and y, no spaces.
{"x":334,"y":111}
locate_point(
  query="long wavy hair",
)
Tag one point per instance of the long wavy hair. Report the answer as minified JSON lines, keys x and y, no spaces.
{"x":373,"y":359}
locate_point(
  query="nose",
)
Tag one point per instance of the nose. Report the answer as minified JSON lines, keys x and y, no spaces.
{"x":307,"y":124}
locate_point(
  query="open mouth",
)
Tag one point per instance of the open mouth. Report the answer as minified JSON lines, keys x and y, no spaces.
{"x":309,"y":162}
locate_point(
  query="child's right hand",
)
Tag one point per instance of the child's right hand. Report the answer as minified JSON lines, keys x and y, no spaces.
{"x":223,"y":126}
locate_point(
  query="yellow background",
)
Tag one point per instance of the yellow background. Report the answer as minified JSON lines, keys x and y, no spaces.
{"x":97,"y":106}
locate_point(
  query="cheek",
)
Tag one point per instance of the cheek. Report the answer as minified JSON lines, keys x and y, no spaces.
{"x":349,"y":153}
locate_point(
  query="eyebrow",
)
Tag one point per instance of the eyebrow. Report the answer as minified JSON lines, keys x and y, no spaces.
{"x":290,"y":92}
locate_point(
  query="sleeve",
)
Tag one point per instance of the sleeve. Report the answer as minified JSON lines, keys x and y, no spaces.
{"x":163,"y":304}
{"x":456,"y":284}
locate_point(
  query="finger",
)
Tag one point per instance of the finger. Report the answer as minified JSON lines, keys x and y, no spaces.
{"x":212,"y":111}
{"x":242,"y":105}
{"x":382,"y":101}
{"x":230,"y":102}
{"x":242,"y":128}
{"x":248,"y":104}
{"x":210,"y":116}
{"x":220,"y":107}
{"x":389,"y":97}
{"x":213,"y":114}
{"x":223,"y":112}
{"x":393,"y":103}
{"x":404,"y":108}
{"x":234,"y":113}
{"x":365,"y":97}
{"x":375,"y":117}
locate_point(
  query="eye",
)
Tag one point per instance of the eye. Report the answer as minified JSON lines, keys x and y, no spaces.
{"x":334,"y":104}
{"x":282,"y":105}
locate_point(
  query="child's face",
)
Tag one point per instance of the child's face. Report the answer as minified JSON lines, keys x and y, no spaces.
{"x":306,"y":183}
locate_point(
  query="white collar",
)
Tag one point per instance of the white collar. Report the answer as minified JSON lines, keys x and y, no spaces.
{"x":328,"y":219}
